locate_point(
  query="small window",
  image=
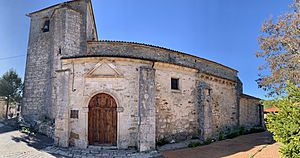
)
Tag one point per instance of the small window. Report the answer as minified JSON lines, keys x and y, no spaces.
{"x":74,"y":114}
{"x":46,"y":26}
{"x":175,"y":83}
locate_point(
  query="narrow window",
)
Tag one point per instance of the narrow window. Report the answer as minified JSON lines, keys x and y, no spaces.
{"x":175,"y":83}
{"x":46,"y":26}
{"x":74,"y":114}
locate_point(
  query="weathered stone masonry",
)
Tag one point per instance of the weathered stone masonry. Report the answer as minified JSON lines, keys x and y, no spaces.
{"x":67,"y":36}
{"x":67,"y":66}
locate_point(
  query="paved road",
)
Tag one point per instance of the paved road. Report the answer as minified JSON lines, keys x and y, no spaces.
{"x":261,"y":145}
{"x":14,"y":144}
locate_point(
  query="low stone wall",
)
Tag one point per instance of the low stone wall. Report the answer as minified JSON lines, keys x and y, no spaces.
{"x":251,"y":112}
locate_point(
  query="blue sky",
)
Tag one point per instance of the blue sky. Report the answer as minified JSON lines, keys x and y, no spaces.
{"x":218,"y":30}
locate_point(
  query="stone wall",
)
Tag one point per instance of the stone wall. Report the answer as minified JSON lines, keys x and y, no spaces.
{"x":116,"y":77}
{"x":38,"y":73}
{"x":176,"y":117}
{"x":67,"y":36}
{"x":147,"y":125}
{"x":220,"y":107}
{"x":251,"y":112}
{"x":176,"y":110}
{"x":203,"y":106}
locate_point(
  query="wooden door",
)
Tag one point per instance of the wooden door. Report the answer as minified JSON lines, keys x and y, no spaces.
{"x":102,"y":120}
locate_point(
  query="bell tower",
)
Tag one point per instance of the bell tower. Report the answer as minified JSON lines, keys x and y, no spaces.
{"x":57,"y":31}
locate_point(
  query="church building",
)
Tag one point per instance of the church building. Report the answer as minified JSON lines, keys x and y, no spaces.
{"x":125,"y":94}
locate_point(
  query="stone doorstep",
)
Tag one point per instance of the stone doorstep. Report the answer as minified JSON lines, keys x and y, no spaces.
{"x":99,"y":151}
{"x":102,"y":147}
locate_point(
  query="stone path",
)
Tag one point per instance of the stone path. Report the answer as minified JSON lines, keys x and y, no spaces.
{"x":258,"y":145}
{"x":14,"y":144}
{"x":90,"y":153}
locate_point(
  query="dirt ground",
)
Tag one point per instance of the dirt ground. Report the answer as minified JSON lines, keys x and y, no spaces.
{"x":258,"y":145}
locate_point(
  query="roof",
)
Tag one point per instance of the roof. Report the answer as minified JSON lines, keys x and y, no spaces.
{"x":141,"y":51}
{"x":168,"y":49}
{"x":90,"y":7}
{"x":250,"y":97}
{"x":53,"y":6}
{"x":273,"y":109}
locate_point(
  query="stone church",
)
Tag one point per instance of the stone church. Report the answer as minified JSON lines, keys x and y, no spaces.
{"x":125,"y":94}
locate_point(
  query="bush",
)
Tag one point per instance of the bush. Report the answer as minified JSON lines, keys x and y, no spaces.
{"x":162,"y":142}
{"x":256,"y":130}
{"x":233,"y":134}
{"x":194,"y":144}
{"x":285,"y":125}
{"x":25,"y":130}
{"x":197,"y":143}
{"x":207,"y":141}
{"x":242,"y":131}
{"x":221,"y":135}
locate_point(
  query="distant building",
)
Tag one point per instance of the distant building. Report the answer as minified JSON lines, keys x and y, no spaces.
{"x":270,"y":110}
{"x":125,"y":94}
{"x":13,"y":109}
{"x":2,"y":107}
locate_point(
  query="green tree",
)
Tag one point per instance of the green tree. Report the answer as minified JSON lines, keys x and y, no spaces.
{"x":11,"y":87}
{"x":280,"y":48}
{"x":285,"y":125}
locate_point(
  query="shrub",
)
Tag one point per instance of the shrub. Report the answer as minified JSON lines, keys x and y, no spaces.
{"x":242,"y":131}
{"x":194,"y":144}
{"x":256,"y":130}
{"x":233,"y":134}
{"x":162,"y":142}
{"x":221,"y":135}
{"x":207,"y":141}
{"x":285,"y":125}
{"x":25,"y":130}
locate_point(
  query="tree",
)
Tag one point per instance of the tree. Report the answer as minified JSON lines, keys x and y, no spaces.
{"x":285,"y":125}
{"x":280,"y":48}
{"x":11,"y":87}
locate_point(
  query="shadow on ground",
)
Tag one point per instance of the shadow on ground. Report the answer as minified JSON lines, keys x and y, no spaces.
{"x":224,"y":148}
{"x":5,"y":128}
{"x":36,"y":141}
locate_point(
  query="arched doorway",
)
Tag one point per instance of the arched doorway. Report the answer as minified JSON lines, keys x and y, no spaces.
{"x":102,"y":128}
